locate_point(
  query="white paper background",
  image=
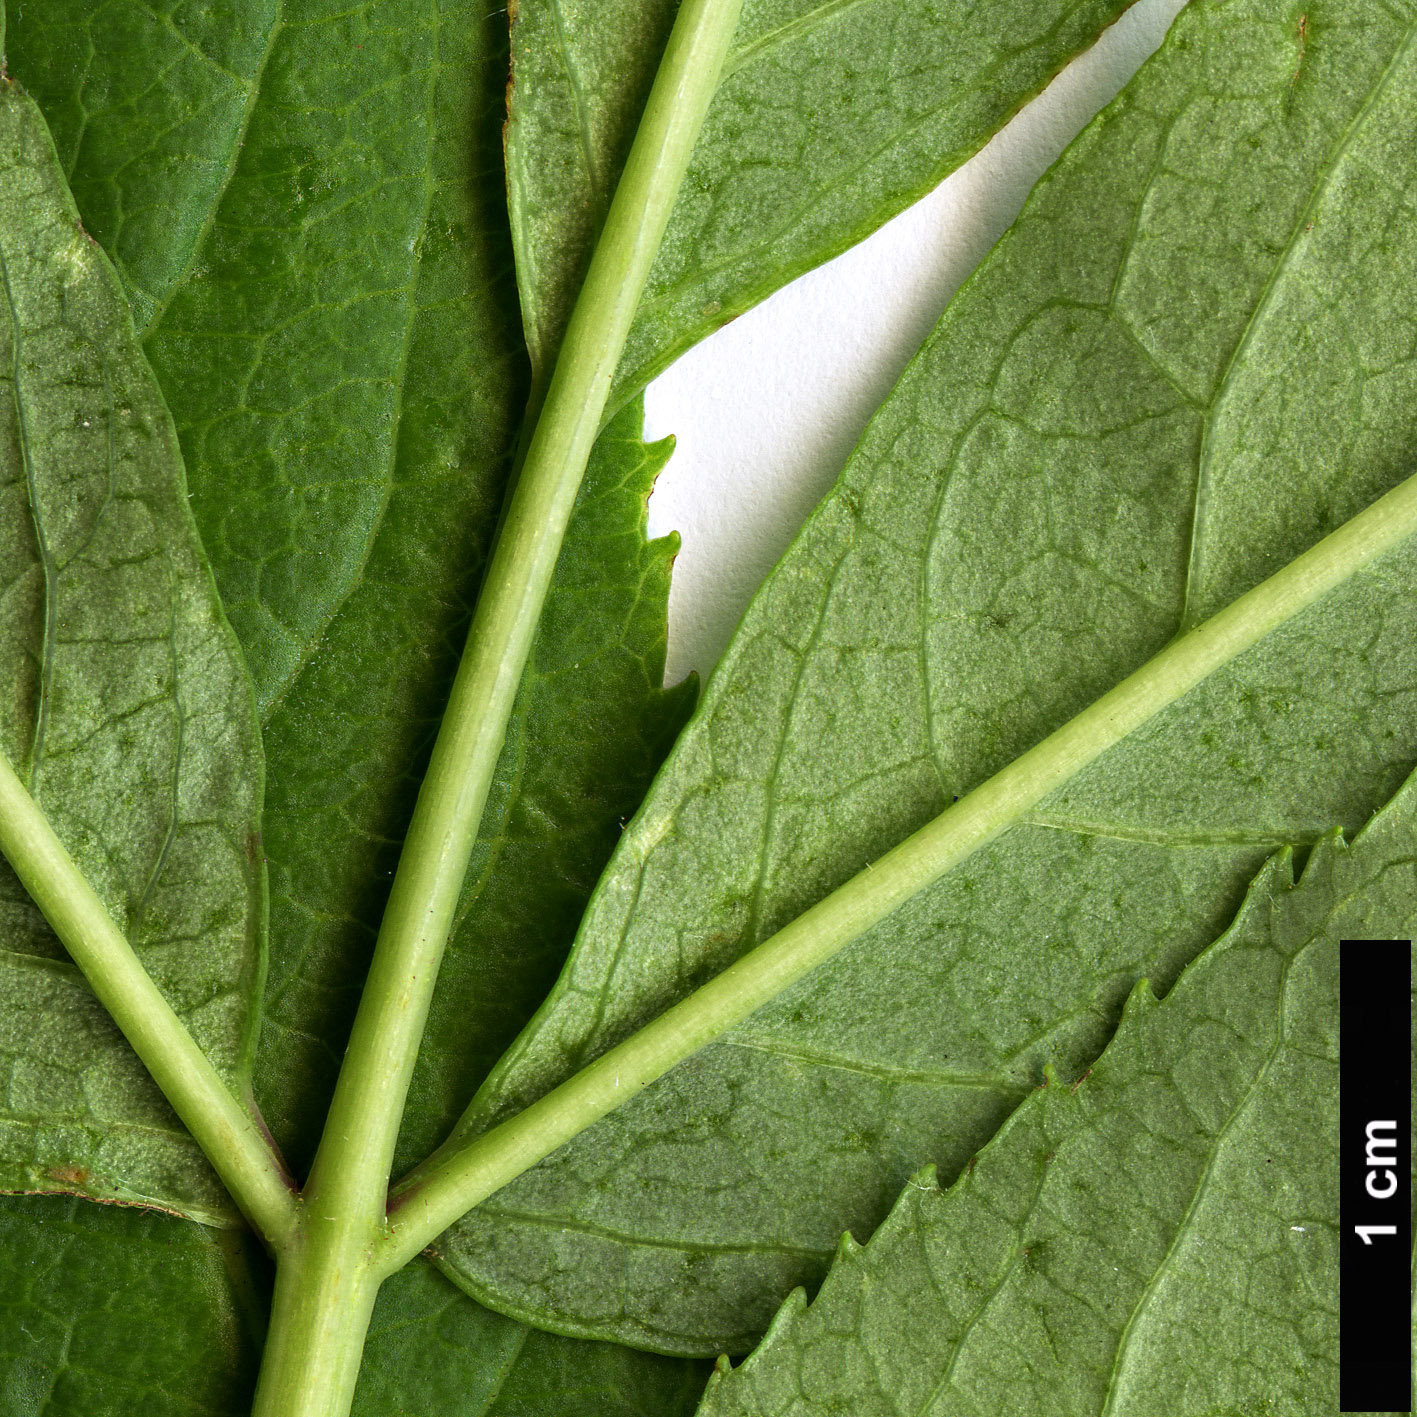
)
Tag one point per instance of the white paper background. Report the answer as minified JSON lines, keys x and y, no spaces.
{"x":767,"y":410}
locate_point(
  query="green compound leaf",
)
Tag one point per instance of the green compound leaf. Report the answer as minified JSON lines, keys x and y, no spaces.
{"x":127,"y":712}
{"x":348,"y":740}
{"x":1191,"y":358}
{"x":831,"y":118}
{"x":307,"y":457}
{"x":1159,"y":1238}
{"x":107,"y":1312}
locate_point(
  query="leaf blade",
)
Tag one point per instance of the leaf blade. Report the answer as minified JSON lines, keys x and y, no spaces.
{"x":86,"y":1287}
{"x":1072,"y":451}
{"x":146,"y":164}
{"x":131,"y":719}
{"x":353,"y":662}
{"x":831,"y":118}
{"x":431,"y":1350}
{"x":1187,"y":1180}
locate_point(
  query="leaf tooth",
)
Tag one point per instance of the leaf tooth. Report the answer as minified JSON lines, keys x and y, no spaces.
{"x":780,"y":1331}
{"x":848,"y":1249}
{"x":927,"y":1178}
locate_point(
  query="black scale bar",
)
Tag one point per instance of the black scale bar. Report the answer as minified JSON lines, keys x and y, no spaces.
{"x":1375,"y":1176}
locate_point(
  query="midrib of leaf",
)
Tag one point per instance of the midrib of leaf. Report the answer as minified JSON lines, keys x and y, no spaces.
{"x":1325,"y":176}
{"x":516,"y":748}
{"x":199,"y":246}
{"x":29,"y":769}
{"x":515,"y":745}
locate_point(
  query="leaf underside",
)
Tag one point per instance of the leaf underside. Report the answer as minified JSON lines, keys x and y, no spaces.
{"x":127,"y":714}
{"x":307,"y":208}
{"x":333,"y":320}
{"x":86,"y":1288}
{"x":1161,"y":1237}
{"x":831,"y":117}
{"x":347,"y":736}
{"x":1190,"y":358}
{"x":1201,"y":306}
{"x":432,"y":1351}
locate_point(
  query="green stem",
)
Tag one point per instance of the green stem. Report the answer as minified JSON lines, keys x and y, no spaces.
{"x":355,"y":1153}
{"x":446,"y":1187}
{"x":224,"y":1129}
{"x":326,"y":1282}
{"x":321,"y":1310}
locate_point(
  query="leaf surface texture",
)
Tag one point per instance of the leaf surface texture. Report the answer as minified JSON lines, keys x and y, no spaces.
{"x":1188,"y":360}
{"x":431,"y":1349}
{"x":339,"y":343}
{"x":832,"y":116}
{"x":85,"y":1288}
{"x":127,"y":713}
{"x":1158,"y":1239}
{"x":348,"y":732}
